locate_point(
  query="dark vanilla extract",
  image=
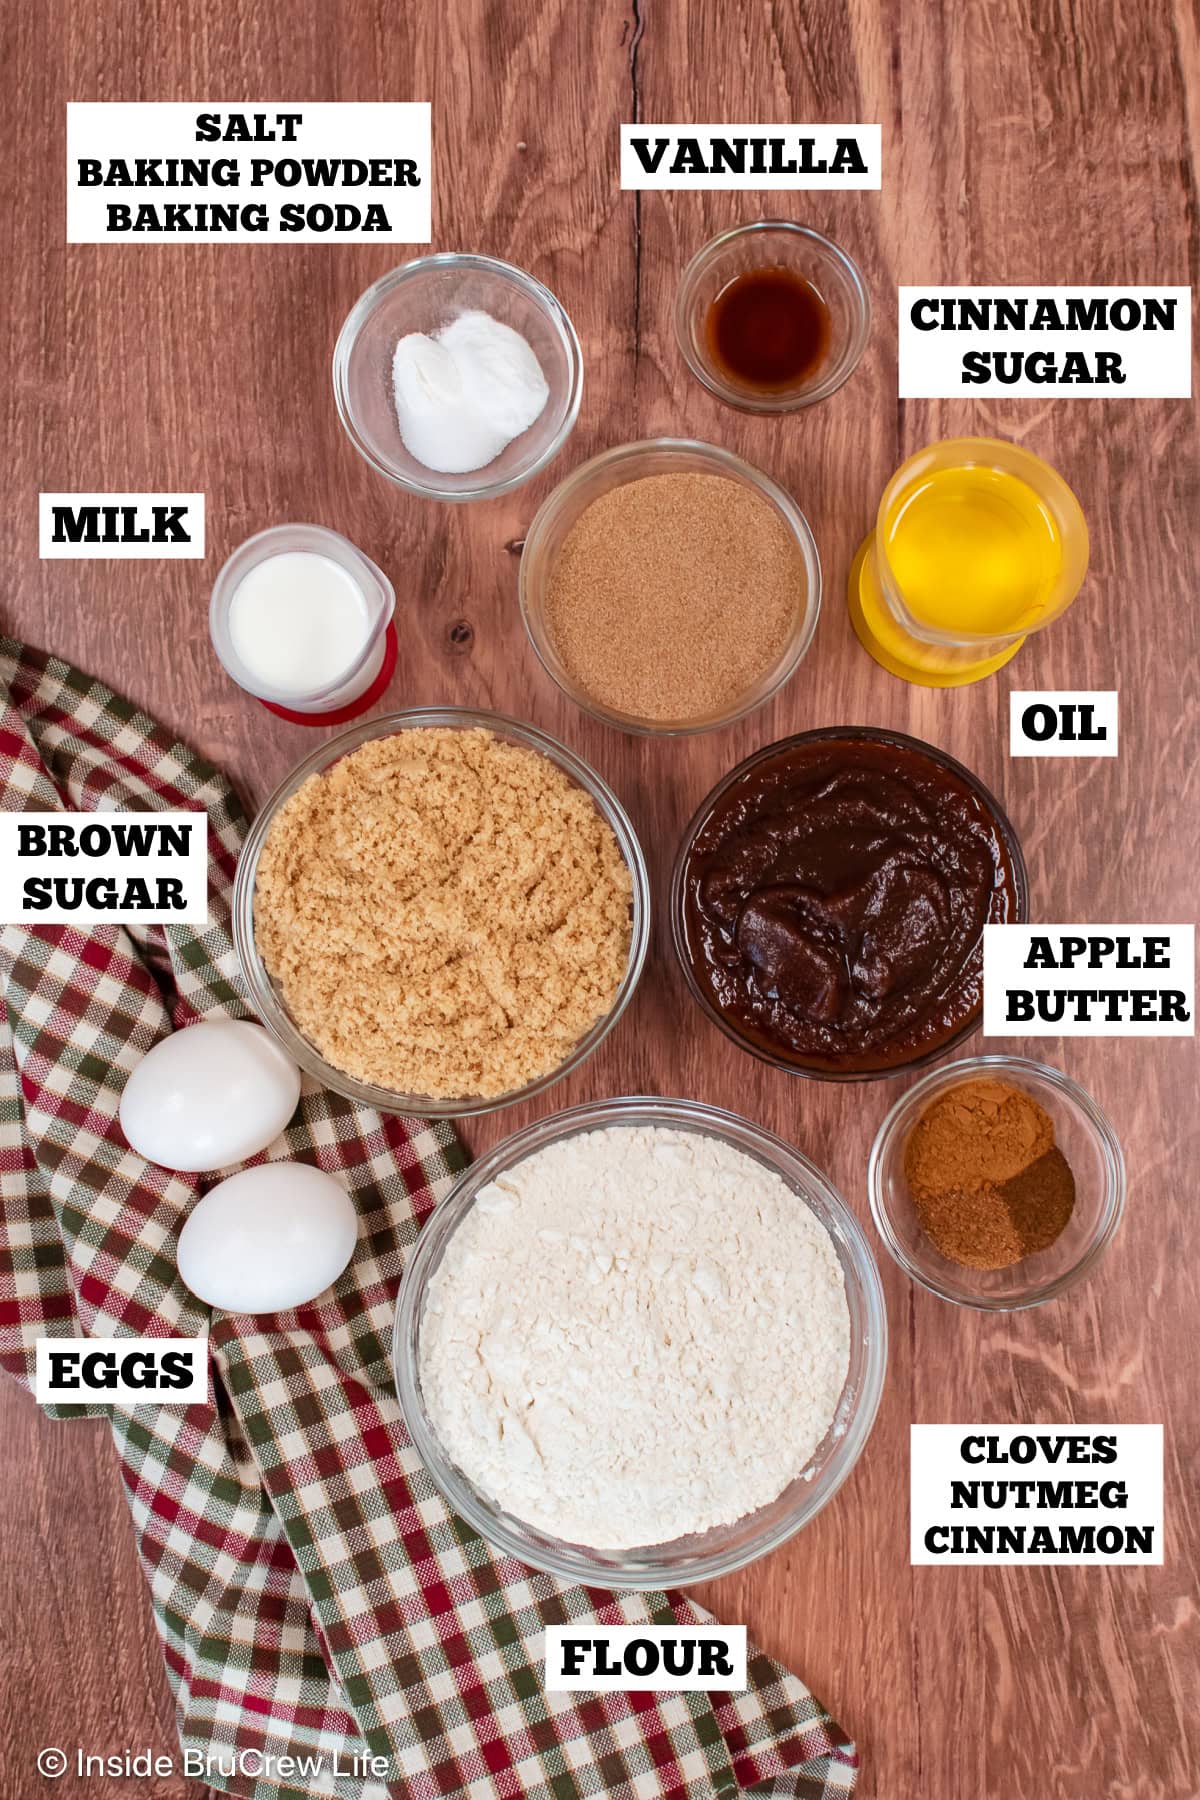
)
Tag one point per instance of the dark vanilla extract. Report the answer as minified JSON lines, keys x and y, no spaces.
{"x":768,"y":329}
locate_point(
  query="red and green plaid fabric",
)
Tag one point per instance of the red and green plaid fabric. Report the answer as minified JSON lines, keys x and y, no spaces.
{"x":314,"y":1596}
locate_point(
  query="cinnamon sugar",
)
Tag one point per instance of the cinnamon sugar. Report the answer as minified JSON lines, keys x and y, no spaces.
{"x":673,"y":596}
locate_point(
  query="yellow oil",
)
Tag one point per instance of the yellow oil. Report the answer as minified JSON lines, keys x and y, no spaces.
{"x":973,"y":550}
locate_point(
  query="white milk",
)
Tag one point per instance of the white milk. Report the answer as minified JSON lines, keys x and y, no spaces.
{"x":298,"y":621}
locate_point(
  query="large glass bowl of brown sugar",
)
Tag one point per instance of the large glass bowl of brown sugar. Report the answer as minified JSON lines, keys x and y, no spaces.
{"x":441,"y":912}
{"x":670,"y":587}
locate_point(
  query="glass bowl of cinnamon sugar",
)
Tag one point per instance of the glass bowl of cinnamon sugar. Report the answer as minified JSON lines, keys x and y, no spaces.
{"x":996,"y":1182}
{"x":669,"y":587}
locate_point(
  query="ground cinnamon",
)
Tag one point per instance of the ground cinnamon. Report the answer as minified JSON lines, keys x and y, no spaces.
{"x":988,"y":1183}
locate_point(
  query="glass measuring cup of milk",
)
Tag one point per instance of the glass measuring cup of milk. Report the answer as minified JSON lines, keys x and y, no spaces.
{"x":299,"y":618}
{"x":977,"y":544}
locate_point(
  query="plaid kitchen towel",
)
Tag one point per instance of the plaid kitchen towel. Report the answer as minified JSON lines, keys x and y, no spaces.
{"x":315,"y":1598}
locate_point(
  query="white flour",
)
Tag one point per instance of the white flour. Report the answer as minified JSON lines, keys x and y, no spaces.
{"x":637,"y":1333}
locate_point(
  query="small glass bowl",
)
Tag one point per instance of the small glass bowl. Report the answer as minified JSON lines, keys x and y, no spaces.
{"x":831,"y":734}
{"x":265,"y":996}
{"x":423,"y":296}
{"x":726,"y":1547}
{"x":775,"y":244}
{"x":632,"y":462}
{"x":1084,"y":1136}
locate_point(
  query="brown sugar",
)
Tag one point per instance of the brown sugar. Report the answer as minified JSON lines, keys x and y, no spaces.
{"x":987,"y":1181}
{"x":674,"y":595}
{"x":445,"y":913}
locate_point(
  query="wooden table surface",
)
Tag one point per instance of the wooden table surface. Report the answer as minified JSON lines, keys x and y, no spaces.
{"x":1023,"y":142}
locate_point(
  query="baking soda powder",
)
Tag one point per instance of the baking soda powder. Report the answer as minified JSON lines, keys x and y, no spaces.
{"x":465,"y":393}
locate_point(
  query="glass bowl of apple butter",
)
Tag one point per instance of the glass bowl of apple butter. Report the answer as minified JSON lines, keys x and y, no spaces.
{"x":829,"y":899}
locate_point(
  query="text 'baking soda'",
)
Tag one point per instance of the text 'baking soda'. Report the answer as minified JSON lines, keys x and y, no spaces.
{"x":260,"y":172}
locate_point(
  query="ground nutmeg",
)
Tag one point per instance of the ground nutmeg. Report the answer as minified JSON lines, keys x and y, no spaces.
{"x":988,"y":1182}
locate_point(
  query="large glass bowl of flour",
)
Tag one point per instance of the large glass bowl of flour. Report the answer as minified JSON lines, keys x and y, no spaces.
{"x":590,"y":1408}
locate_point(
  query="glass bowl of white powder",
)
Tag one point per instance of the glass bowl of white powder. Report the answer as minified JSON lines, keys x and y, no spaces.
{"x":640,"y":1343}
{"x":458,"y":377}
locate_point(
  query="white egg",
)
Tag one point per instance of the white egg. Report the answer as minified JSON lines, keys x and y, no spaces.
{"x":267,"y":1238}
{"x":210,"y":1095}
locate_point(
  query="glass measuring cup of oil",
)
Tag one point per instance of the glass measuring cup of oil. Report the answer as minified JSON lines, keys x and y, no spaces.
{"x":977,"y":544}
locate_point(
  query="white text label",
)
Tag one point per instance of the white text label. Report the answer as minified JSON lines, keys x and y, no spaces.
{"x":258,"y":172}
{"x":1089,"y":980}
{"x":1032,"y":1494}
{"x":159,"y":1371}
{"x":750,"y":156}
{"x":630,"y":1659}
{"x":1023,"y":343}
{"x":1060,"y":722}
{"x":103,"y":868}
{"x":141,"y":527}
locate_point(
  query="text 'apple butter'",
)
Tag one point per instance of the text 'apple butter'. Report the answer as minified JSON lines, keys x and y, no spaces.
{"x":833,"y":897}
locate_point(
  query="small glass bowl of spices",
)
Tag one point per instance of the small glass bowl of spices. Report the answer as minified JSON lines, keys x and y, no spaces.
{"x":996,"y":1183}
{"x":772,"y":316}
{"x":669,"y":587}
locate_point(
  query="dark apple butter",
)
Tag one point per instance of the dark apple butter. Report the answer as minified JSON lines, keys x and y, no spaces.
{"x":831,"y":899}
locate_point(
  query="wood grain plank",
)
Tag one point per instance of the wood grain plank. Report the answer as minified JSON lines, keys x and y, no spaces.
{"x":1024,"y":140}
